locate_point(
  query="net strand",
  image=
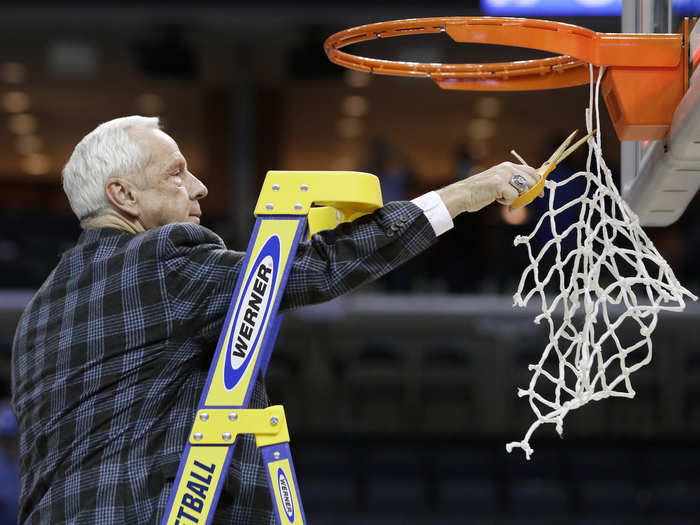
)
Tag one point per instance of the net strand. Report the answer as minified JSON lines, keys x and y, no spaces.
{"x":612,"y":284}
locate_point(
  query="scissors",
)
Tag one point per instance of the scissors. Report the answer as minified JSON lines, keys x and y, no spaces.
{"x":559,"y":155}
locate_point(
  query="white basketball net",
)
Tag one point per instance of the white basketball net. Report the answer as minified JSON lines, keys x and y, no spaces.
{"x":612,"y":280}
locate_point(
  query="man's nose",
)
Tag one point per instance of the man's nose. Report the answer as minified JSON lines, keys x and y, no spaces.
{"x":199,"y":190}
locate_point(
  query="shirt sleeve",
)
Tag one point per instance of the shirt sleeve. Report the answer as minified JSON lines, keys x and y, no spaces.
{"x":435,"y":211}
{"x":200,"y":274}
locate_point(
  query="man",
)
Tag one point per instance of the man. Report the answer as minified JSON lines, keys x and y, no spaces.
{"x":111,"y":354}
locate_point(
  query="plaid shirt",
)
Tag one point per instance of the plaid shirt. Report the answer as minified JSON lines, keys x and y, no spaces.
{"x":112,"y":353}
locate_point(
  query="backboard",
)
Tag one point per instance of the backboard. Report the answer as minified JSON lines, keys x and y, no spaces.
{"x":660,"y":178}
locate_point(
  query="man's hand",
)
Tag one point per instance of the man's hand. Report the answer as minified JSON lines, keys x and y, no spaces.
{"x":477,"y":191}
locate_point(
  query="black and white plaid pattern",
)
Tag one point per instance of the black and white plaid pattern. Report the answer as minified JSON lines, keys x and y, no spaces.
{"x":112,"y":353}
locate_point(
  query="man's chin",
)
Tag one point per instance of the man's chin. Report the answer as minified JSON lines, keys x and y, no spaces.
{"x":193,"y":218}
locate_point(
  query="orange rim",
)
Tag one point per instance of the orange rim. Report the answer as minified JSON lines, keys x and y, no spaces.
{"x":578,"y":47}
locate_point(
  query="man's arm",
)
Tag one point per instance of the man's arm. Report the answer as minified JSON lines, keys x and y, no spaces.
{"x":201,"y":274}
{"x":337,"y":261}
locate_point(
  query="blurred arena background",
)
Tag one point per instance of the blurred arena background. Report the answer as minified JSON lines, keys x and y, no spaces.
{"x":400,"y":397}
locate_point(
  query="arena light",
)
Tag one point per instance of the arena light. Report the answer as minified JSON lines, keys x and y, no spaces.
{"x":349,"y":128}
{"x":357,"y":79}
{"x":22,"y":124}
{"x":481,"y":128}
{"x":15,"y":101}
{"x":355,"y":106}
{"x":574,"y":8}
{"x":28,"y":144}
{"x":488,"y":107}
{"x":552,"y":7}
{"x":36,"y":164}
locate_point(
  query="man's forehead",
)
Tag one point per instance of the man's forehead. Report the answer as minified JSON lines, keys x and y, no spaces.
{"x":162,"y":148}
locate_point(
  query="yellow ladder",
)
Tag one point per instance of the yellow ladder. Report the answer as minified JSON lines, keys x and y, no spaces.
{"x":291,"y":207}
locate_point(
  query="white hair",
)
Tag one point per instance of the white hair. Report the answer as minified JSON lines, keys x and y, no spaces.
{"x":107,"y":151}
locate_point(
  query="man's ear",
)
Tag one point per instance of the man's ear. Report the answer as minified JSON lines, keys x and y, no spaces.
{"x":122,"y":194}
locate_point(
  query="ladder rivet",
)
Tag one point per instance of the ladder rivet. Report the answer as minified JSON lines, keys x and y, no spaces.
{"x":197,"y":436}
{"x":276,"y":455}
{"x":204,"y":416}
{"x":297,"y":206}
{"x":274,"y":420}
{"x":275,"y":187}
{"x":304,"y":187}
{"x":232,"y":416}
{"x":270,"y":206}
{"x":226,"y":436}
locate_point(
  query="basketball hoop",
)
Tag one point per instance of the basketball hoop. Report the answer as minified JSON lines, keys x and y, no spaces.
{"x":614,"y":276}
{"x":639,"y":67}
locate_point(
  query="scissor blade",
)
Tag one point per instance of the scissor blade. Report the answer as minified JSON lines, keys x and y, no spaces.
{"x":575,"y":147}
{"x":555,"y":156}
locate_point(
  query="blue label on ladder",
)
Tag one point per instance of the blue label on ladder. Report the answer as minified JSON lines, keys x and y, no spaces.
{"x":285,"y":494}
{"x":252,"y":311}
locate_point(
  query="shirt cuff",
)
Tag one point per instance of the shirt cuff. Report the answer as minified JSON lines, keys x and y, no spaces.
{"x":435,"y":211}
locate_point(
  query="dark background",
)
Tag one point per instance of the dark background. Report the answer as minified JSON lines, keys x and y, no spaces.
{"x":400,"y":397}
